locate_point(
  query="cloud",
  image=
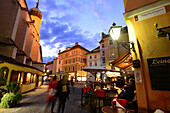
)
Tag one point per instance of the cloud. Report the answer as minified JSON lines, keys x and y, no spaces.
{"x":65,"y":22}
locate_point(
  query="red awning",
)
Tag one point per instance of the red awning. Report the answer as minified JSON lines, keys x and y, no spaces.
{"x":123,"y":61}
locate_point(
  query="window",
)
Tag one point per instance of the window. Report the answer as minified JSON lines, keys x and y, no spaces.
{"x":103,"y":60}
{"x":81,"y":52}
{"x":66,"y":61}
{"x":81,"y":67}
{"x":110,"y":42}
{"x":95,"y":63}
{"x":102,"y":45}
{"x":73,"y":60}
{"x":73,"y":68}
{"x":90,"y":64}
{"x":103,"y":53}
{"x":59,"y":61}
{"x":70,"y":53}
{"x":69,"y":60}
{"x":74,"y":52}
{"x":69,"y":68}
{"x":65,"y":68}
{"x":95,"y":56}
{"x":81,"y":60}
{"x":3,"y":75}
{"x":90,"y":57}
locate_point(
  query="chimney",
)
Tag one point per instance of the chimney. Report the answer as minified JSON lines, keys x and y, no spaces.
{"x":76,"y":44}
{"x":59,"y":51}
{"x":103,"y":35}
{"x":68,"y":48}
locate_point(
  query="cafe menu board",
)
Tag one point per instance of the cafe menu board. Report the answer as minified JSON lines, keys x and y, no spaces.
{"x":159,"y":70}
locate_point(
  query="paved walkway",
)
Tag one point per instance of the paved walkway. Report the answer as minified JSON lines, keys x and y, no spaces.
{"x":73,"y":105}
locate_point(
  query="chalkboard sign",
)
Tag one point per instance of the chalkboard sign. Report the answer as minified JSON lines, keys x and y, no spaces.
{"x":159,"y":70}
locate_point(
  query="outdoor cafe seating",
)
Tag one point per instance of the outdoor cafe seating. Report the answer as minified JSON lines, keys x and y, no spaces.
{"x":99,"y":95}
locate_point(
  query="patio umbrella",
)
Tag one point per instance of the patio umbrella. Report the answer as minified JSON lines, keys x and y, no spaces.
{"x":95,"y":69}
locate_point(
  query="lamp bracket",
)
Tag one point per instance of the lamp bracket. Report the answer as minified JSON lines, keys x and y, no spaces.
{"x":126,"y":45}
{"x":163,"y":32}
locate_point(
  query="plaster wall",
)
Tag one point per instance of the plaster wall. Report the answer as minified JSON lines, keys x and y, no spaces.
{"x":9,"y":51}
{"x":21,"y":59}
{"x":10,"y":14}
{"x":22,"y":30}
{"x":29,"y":41}
{"x":35,"y":51}
{"x":148,"y":45}
{"x":37,"y":23}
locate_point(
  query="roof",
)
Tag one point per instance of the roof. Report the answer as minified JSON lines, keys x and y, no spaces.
{"x":38,"y":63}
{"x":74,"y":47}
{"x":96,"y":50}
{"x":13,"y":61}
{"x":123,"y":61}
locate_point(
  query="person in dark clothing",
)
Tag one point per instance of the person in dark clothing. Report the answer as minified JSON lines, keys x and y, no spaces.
{"x":72,"y":83}
{"x":63,"y":93}
{"x":128,"y":92}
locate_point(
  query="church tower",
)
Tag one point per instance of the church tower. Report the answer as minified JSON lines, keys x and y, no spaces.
{"x":36,"y":16}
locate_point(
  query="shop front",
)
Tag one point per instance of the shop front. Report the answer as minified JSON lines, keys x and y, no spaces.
{"x":27,"y":77}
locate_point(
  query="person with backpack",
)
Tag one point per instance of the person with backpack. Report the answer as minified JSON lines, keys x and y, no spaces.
{"x":63,"y":93}
{"x":52,"y":93}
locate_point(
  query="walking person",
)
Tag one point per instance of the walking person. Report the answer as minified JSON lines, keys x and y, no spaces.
{"x":52,"y":94}
{"x":63,"y":93}
{"x":72,"y":83}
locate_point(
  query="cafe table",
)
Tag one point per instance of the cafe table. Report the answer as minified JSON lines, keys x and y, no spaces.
{"x":108,"y":109}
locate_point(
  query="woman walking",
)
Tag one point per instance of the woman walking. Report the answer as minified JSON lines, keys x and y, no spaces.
{"x":52,"y":94}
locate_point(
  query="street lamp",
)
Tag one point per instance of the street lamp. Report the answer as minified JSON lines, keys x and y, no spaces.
{"x":114,"y":32}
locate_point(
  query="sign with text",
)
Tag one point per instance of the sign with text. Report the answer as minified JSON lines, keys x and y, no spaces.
{"x":149,"y":14}
{"x":138,"y":77}
{"x":159,"y":71}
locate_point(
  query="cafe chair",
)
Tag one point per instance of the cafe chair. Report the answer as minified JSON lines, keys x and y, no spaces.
{"x":85,"y":95}
{"x":100,"y":95}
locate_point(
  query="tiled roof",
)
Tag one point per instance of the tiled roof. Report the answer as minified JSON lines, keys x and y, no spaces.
{"x":74,"y":47}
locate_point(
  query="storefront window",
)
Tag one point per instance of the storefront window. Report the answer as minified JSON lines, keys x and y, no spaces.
{"x":3,"y":75}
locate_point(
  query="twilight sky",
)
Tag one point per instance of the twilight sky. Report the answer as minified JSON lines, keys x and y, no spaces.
{"x":65,"y":22}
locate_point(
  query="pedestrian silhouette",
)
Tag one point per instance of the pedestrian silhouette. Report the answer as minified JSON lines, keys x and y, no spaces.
{"x":63,"y":93}
{"x":52,"y":94}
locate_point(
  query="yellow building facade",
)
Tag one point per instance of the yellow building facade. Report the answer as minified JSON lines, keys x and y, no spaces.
{"x":148,"y":24}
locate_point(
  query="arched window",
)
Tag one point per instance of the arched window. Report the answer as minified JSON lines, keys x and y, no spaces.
{"x":3,"y":75}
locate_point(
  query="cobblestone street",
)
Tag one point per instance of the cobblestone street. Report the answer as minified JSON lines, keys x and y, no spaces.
{"x":35,"y":102}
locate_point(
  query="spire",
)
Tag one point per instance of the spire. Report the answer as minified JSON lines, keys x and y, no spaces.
{"x":37,"y":4}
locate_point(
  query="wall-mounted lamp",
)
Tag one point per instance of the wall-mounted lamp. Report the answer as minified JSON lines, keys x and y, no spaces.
{"x":114,"y":32}
{"x":163,"y":32}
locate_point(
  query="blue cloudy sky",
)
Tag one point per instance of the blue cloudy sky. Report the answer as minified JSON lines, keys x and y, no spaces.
{"x":65,"y":22}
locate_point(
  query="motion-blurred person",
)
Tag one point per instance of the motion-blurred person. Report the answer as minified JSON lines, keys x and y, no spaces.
{"x":63,"y":93}
{"x":52,"y":94}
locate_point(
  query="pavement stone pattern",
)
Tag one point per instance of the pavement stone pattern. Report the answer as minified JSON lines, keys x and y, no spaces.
{"x":35,"y":102}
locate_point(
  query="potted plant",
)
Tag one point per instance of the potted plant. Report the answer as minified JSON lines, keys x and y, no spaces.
{"x":12,"y":97}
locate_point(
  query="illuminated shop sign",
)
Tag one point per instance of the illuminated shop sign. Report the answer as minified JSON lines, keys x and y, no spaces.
{"x":159,"y":71}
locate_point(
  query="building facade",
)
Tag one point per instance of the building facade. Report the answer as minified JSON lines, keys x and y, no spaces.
{"x":20,"y":51}
{"x":110,"y":49}
{"x":72,"y":60}
{"x":148,"y":24}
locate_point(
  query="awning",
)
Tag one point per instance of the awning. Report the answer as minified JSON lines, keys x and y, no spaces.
{"x":123,"y":61}
{"x":95,"y":69}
